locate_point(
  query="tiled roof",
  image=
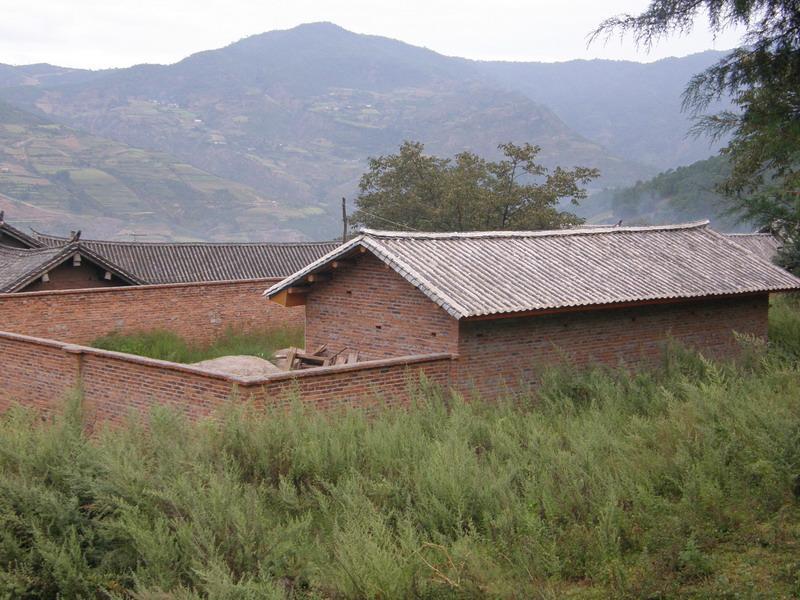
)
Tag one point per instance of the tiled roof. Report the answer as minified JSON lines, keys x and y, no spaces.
{"x":166,"y":262}
{"x":486,"y":273}
{"x":764,"y":245}
{"x":21,"y":266}
{"x":20,"y":236}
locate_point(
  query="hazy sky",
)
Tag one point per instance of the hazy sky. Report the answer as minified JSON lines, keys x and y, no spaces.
{"x":118,"y":33}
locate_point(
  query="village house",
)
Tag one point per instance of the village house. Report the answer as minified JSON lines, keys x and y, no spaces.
{"x":40,"y":262}
{"x":67,"y":267}
{"x":764,"y":245}
{"x":507,"y":303}
{"x":195,"y":262}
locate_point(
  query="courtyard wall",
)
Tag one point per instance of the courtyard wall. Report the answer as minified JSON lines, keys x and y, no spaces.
{"x":41,"y":373}
{"x":199,"y":312}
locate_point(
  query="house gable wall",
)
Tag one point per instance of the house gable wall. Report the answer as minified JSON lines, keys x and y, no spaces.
{"x":7,"y":240}
{"x":369,"y":307}
{"x":68,"y":277}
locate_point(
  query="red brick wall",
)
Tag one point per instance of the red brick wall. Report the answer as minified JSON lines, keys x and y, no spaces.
{"x":495,"y":355}
{"x":370,"y":307}
{"x":69,"y":277}
{"x":388,"y":382}
{"x":40,"y":373}
{"x":36,"y":373}
{"x":199,"y":312}
{"x":117,"y":385}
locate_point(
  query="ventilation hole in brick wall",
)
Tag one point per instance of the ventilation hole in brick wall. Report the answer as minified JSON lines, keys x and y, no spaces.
{"x":479,"y":335}
{"x":433,"y":334}
{"x":349,"y":292}
{"x":378,"y":326}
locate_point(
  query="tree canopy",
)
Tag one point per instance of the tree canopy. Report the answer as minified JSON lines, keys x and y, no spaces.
{"x":762,"y":77}
{"x":414,"y":190}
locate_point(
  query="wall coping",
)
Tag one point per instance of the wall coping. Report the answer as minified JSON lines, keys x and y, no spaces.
{"x":130,"y":288}
{"x":239,"y":380}
{"x":409,"y":359}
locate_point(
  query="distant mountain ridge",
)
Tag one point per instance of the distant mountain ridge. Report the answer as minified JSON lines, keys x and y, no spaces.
{"x":674,"y":196}
{"x":633,"y":109}
{"x":293,"y":115}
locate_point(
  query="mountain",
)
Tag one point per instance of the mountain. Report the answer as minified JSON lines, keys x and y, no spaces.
{"x":633,"y":109}
{"x":76,"y":180}
{"x":292,"y":116}
{"x":43,"y":74}
{"x":674,"y":196}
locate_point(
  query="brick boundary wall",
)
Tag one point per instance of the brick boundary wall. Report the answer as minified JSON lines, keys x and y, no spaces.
{"x":199,"y":312}
{"x":40,"y":373}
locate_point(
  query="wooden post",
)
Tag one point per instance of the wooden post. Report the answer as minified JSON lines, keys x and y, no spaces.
{"x":344,"y":220}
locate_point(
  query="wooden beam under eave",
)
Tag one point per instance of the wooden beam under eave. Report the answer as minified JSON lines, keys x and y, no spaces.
{"x":285,"y":298}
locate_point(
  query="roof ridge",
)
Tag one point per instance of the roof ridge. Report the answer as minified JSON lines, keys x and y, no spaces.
{"x":376,"y":233}
{"x":152,"y":243}
{"x":32,"y":251}
{"x":755,"y":233}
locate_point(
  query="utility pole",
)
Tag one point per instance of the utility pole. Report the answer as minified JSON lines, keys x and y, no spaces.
{"x":344,"y":219}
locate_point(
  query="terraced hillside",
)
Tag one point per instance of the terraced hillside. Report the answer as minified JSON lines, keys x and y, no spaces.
{"x":292,"y":117}
{"x":62,"y":171}
{"x":295,"y":114}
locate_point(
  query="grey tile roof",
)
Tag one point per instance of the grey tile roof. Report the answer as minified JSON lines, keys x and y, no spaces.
{"x":764,"y":245}
{"x":486,"y":273}
{"x":20,"y":236}
{"x":166,"y":262}
{"x":21,"y":266}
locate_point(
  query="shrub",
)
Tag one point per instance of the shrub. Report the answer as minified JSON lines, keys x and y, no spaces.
{"x":680,"y":482}
{"x":166,"y":345}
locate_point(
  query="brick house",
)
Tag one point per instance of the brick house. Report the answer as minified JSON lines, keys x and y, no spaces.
{"x":26,"y":261}
{"x":506,"y":303}
{"x":68,"y":267}
{"x":200,"y":262}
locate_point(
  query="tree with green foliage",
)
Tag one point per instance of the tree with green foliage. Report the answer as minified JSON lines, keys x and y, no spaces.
{"x":414,"y":190}
{"x":762,"y":77}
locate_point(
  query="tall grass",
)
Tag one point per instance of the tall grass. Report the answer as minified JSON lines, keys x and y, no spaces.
{"x":784,"y":324}
{"x":166,"y":345}
{"x":678,"y":482}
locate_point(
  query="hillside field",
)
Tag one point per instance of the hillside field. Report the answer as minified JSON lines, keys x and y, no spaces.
{"x":679,"y":482}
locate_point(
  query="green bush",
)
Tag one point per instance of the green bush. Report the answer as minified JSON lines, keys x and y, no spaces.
{"x":679,"y":482}
{"x":166,"y":345}
{"x":784,"y":324}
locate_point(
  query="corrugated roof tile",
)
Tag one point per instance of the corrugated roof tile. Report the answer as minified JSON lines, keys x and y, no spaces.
{"x":486,"y":273}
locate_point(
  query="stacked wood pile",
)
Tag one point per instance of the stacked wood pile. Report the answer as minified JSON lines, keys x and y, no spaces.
{"x":293,"y":358}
